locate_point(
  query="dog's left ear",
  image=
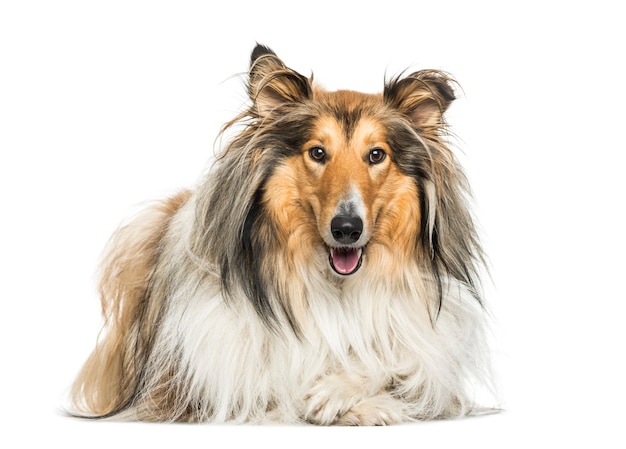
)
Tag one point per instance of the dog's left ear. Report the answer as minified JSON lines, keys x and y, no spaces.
{"x":272,"y":84}
{"x":422,"y":96}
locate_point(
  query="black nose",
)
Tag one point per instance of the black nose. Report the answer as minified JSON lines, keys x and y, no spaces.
{"x":346,"y":228}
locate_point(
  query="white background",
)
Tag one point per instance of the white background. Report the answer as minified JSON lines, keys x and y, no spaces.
{"x":104,"y":105}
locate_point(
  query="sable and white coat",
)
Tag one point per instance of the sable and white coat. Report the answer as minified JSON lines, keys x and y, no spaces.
{"x":245,"y":300}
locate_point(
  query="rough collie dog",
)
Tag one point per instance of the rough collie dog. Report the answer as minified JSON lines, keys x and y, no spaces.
{"x":325,"y":271}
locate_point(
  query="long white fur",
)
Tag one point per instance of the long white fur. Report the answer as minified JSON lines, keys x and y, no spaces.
{"x":356,"y":340}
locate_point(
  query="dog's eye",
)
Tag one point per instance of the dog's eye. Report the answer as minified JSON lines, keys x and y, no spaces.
{"x":317,"y":154}
{"x":377,"y":155}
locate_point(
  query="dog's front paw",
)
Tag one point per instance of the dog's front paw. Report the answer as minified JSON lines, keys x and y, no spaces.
{"x":327,"y":402}
{"x":380,"y":410}
{"x":335,"y":401}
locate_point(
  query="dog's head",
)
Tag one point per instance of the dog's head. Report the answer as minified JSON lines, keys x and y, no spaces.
{"x":345,"y":181}
{"x":359,"y":161}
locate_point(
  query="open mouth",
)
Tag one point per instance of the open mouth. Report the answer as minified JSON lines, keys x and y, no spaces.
{"x":346,"y":260}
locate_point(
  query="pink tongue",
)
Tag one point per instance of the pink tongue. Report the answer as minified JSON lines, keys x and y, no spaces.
{"x":345,"y":261}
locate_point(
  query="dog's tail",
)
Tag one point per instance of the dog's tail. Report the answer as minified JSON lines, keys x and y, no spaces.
{"x":111,"y":378}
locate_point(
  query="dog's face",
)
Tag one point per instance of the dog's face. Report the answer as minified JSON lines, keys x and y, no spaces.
{"x":348,"y":188}
{"x":344,"y":171}
{"x":356,"y":195}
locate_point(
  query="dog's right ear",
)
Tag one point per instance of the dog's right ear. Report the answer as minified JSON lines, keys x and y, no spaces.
{"x":271,"y":84}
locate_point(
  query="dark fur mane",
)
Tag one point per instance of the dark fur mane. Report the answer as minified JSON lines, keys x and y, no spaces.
{"x":233,"y":214}
{"x":449,"y":242}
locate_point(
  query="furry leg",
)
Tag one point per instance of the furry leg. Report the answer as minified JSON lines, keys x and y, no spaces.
{"x":351,"y":400}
